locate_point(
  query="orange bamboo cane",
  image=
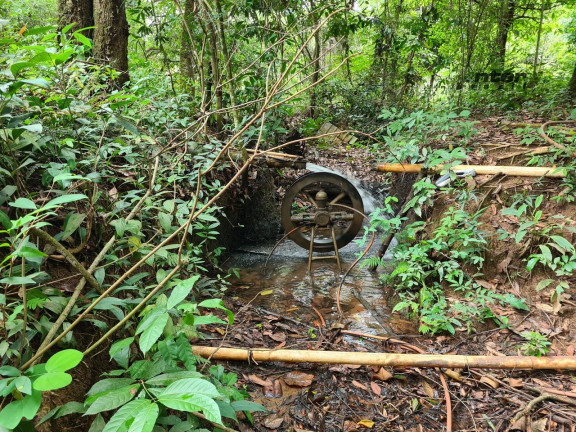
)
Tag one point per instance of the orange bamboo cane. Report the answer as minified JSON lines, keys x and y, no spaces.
{"x":480,"y":169}
{"x":388,"y":359}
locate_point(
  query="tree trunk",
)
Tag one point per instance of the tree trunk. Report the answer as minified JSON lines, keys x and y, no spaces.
{"x":572,"y":86}
{"x":187,"y":50}
{"x":227,"y":62}
{"x":316,"y":73}
{"x":504,"y":25}
{"x":111,"y":36}
{"x":80,"y":12}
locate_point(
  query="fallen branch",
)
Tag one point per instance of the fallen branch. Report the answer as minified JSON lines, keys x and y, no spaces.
{"x":544,"y":135}
{"x":388,"y":359}
{"x":480,"y":169}
{"x":535,"y":151}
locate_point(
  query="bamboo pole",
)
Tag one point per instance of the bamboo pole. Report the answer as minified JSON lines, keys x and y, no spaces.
{"x":521,"y":171}
{"x":388,"y":359}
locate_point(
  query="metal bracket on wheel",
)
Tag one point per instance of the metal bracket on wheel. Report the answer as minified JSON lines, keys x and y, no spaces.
{"x":311,"y":256}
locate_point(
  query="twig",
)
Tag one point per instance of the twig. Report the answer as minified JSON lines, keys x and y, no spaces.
{"x":320,"y":315}
{"x":543,"y":396}
{"x":219,"y":426}
{"x":69,"y":257}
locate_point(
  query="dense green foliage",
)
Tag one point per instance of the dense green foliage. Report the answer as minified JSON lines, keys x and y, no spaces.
{"x":130,"y":177}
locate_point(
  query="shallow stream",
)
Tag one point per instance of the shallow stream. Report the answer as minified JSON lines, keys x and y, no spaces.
{"x":285,"y":286}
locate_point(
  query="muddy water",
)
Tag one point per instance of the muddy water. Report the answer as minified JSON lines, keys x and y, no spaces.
{"x":286,"y":287}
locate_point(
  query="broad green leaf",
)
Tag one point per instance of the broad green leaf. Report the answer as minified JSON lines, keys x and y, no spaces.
{"x":71,"y":224}
{"x":192,"y":386}
{"x":39,"y":30}
{"x":82,"y":39}
{"x":64,"y":360}
{"x":247,"y":406}
{"x":17,"y":67}
{"x":126,"y":413}
{"x":40,"y":82}
{"x":12,"y":414}
{"x":28,"y":252}
{"x":99,"y":275}
{"x":23,"y":203}
{"x":52,"y":381}
{"x":181,"y":291}
{"x":184,"y":351}
{"x":145,"y":419}
{"x":207,"y":319}
{"x":72,"y":407}
{"x":120,"y":225}
{"x":98,"y":424}
{"x":109,"y":384}
{"x":64,"y":199}
{"x":9,"y":371}
{"x":113,"y":399}
{"x":546,"y":252}
{"x":562,"y":242}
{"x":170,"y":377}
{"x":149,"y":318}
{"x":165,"y":221}
{"x":192,"y":403}
{"x":5,"y":220}
{"x":120,"y":345}
{"x":218,"y":304}
{"x":23,"y":384}
{"x":226,"y":410}
{"x":543,"y":284}
{"x":516,"y":302}
{"x":152,"y":333}
{"x":18,"y":280}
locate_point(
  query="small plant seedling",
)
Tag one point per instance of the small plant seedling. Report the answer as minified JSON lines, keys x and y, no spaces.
{"x":536,"y":344}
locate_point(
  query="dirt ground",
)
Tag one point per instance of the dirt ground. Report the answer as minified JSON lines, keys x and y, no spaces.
{"x":313,"y":397}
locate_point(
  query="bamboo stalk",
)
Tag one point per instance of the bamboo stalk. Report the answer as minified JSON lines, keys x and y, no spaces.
{"x":274,"y":154}
{"x":387,"y":359}
{"x":521,"y":171}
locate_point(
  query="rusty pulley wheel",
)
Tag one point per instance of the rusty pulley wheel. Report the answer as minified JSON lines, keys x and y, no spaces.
{"x":319,"y":201}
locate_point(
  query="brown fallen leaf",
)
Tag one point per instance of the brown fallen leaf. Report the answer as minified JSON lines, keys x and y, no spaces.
{"x":359,"y":385}
{"x":278,"y":337}
{"x":545,"y":307}
{"x":383,"y":375}
{"x":490,"y":382}
{"x":428,"y":388}
{"x":349,"y":426}
{"x":298,"y":379}
{"x":259,"y":381}
{"x":273,"y":421}
{"x":454,"y":374}
{"x":375,"y":388}
{"x":515,"y":382}
{"x":274,"y":390}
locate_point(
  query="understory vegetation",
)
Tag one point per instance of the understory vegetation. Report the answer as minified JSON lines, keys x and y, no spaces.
{"x":126,"y":133}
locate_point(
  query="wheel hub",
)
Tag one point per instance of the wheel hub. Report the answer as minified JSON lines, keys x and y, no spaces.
{"x":326,"y":203}
{"x":322,"y":218}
